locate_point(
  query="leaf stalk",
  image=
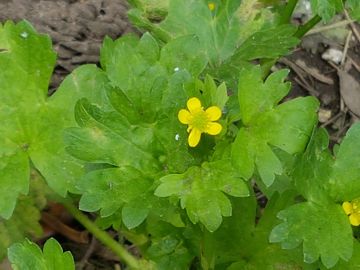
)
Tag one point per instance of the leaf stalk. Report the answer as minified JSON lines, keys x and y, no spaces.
{"x":102,"y":236}
{"x":288,"y":11}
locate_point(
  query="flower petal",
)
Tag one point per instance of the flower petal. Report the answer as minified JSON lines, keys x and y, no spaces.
{"x":213,"y":128}
{"x":214,"y":113}
{"x":194,"y":137}
{"x":184,"y":116}
{"x":194,"y":105}
{"x":355,"y":219}
{"x":347,"y":206}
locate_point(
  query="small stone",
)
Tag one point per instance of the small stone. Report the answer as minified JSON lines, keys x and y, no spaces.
{"x":333,"y":55}
{"x":324,"y":115}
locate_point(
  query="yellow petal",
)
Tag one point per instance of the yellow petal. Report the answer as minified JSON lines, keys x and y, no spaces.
{"x":194,"y":105}
{"x":213,"y":128}
{"x":194,"y":137}
{"x":214,"y":113}
{"x":355,"y":219}
{"x":347,"y":206}
{"x":184,"y":116}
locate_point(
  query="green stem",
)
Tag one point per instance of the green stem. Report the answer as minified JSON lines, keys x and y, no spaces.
{"x":103,"y":237}
{"x":307,"y":26}
{"x":288,"y":11}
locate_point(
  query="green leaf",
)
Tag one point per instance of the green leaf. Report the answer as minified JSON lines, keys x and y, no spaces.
{"x":213,"y":95}
{"x":227,"y":243}
{"x":133,"y":217}
{"x":169,"y":253}
{"x":153,"y":9}
{"x":287,"y":126}
{"x":234,"y":32}
{"x":267,"y":43}
{"x":113,"y":189}
{"x":142,"y":75}
{"x":313,"y":169}
{"x":124,"y":190}
{"x":354,"y":7}
{"x":107,"y":137}
{"x":221,"y":31}
{"x":22,"y":225}
{"x":201,"y":191}
{"x":32,"y":123}
{"x":243,"y":243}
{"x":324,"y":231}
{"x":326,"y":8}
{"x":275,"y":255}
{"x":184,"y":53}
{"x":344,"y":182}
{"x":325,"y":183}
{"x":15,"y":172}
{"x":108,"y":190}
{"x":28,"y":255}
{"x":169,"y":247}
{"x":353,"y":263}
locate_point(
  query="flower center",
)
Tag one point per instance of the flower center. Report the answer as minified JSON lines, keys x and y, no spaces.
{"x":200,"y":120}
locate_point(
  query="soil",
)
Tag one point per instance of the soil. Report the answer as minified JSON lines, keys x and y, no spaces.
{"x":77,"y":28}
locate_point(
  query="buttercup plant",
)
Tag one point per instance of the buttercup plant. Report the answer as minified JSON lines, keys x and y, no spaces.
{"x":167,"y":138}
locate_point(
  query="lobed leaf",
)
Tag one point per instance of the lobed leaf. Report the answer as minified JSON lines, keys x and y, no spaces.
{"x":323,"y":230}
{"x":325,"y":183}
{"x":170,"y":247}
{"x":344,"y":182}
{"x":22,"y":225}
{"x":313,"y":169}
{"x":231,"y":33}
{"x":326,"y":8}
{"x":354,"y":7}
{"x":287,"y":126}
{"x":123,"y":189}
{"x":201,"y":191}
{"x":32,"y":123}
{"x":27,"y":255}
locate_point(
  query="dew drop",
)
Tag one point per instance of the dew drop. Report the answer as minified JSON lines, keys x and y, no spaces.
{"x":177,"y":137}
{"x":176,"y":69}
{"x":24,"y":34}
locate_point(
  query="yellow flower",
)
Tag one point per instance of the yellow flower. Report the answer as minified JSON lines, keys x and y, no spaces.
{"x":352,"y":209}
{"x":199,"y":121}
{"x":211,"y":6}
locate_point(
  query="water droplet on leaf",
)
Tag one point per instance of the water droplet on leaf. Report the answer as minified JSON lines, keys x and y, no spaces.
{"x":24,"y":34}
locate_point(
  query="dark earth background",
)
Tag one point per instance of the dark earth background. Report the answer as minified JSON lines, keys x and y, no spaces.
{"x":77,"y":28}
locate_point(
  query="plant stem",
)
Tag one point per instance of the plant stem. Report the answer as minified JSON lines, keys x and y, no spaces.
{"x":307,"y":26}
{"x":288,"y":11}
{"x":102,"y":236}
